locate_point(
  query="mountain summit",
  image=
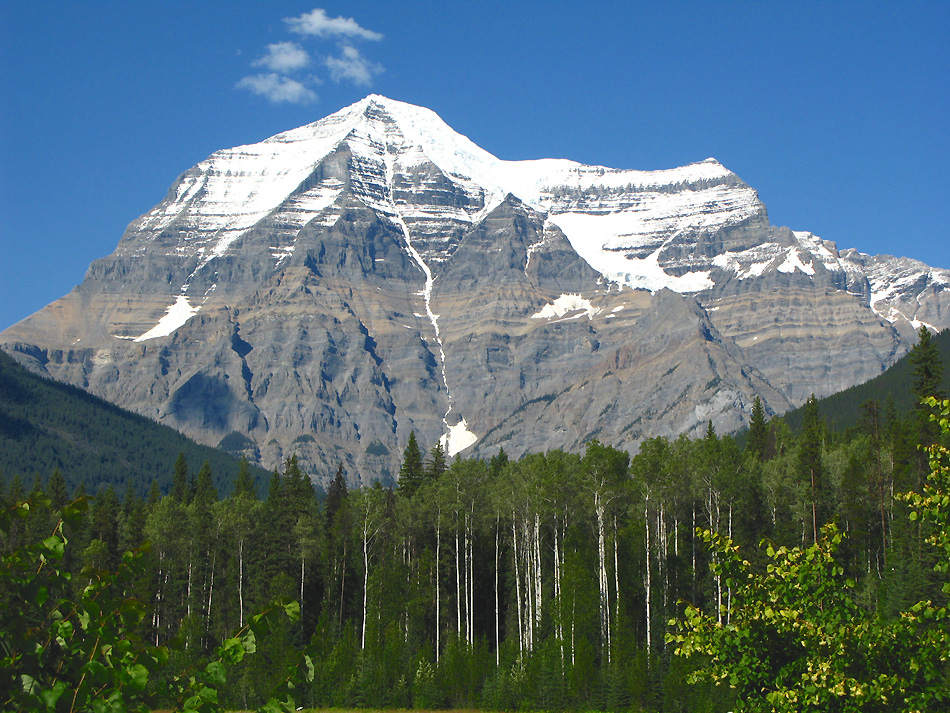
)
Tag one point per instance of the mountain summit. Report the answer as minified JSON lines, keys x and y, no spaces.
{"x":330,"y":289}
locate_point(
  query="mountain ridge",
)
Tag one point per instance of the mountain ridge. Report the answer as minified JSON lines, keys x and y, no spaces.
{"x":374,"y":273}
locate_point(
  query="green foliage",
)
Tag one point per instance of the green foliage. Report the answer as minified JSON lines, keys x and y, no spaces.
{"x":411,"y":472}
{"x":83,"y":652}
{"x":542,"y":583}
{"x":795,"y":637}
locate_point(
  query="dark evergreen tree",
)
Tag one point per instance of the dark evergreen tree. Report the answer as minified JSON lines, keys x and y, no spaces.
{"x":154,"y":494}
{"x":244,"y":483}
{"x":927,"y":366}
{"x":928,"y":381}
{"x":105,"y":528}
{"x":17,"y":491}
{"x":436,"y":464}
{"x":411,"y":472}
{"x":336,"y":495}
{"x":180,"y":490}
{"x":758,"y":441}
{"x":204,"y":485}
{"x":497,"y":463}
{"x":56,"y":489}
{"x":132,"y":525}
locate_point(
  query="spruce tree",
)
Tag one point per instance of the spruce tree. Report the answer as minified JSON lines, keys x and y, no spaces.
{"x":180,"y":480}
{"x":17,"y":492}
{"x":154,"y":494}
{"x":758,"y":441}
{"x":105,"y":524}
{"x":928,"y":381}
{"x":436,"y":465}
{"x":411,"y":472}
{"x":204,"y":485}
{"x":56,"y":489}
{"x":336,"y":495}
{"x":244,"y":484}
{"x":497,"y":463}
{"x":927,"y":367}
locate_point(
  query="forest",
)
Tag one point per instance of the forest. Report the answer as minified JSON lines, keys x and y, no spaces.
{"x":796,"y":571}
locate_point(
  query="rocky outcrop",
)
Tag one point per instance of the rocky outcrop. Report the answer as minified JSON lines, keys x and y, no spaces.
{"x":331,"y":289}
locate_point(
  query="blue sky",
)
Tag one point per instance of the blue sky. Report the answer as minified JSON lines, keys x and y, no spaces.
{"x":837,"y":113}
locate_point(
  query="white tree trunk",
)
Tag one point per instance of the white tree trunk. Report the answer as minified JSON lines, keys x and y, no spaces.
{"x":647,"y":578}
{"x":438,"y":602}
{"x":365,"y":584}
{"x":241,"y":582}
{"x":497,"y":594}
{"x":516,"y":555}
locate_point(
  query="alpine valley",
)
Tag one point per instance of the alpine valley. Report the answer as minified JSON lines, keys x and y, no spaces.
{"x":331,"y":289}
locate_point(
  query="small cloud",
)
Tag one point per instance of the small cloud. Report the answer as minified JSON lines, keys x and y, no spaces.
{"x":283,"y":57}
{"x":352,"y":66}
{"x":278,"y":89}
{"x":317,"y":23}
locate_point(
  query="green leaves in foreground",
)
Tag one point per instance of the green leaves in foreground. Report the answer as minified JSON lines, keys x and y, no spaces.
{"x":795,"y":639}
{"x":83,"y":653}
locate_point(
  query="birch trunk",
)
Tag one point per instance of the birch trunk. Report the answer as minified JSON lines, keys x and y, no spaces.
{"x":497,"y":594}
{"x":241,"y":582}
{"x":516,"y":555}
{"x":648,"y":580}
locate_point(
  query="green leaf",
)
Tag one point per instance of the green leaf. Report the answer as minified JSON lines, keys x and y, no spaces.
{"x":138,"y":676}
{"x":216,"y":673}
{"x":50,"y":696}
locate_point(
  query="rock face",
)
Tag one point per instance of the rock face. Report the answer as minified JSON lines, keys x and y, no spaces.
{"x":331,"y":289}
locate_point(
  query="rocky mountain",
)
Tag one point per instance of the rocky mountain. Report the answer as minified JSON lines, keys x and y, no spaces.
{"x":330,"y":289}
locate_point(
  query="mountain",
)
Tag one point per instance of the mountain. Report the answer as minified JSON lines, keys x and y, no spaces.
{"x":46,"y":425}
{"x":334,"y":287}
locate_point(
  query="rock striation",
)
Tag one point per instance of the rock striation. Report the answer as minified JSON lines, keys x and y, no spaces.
{"x":334,"y":287}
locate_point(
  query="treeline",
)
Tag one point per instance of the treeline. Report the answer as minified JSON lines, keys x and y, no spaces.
{"x":543,"y":583}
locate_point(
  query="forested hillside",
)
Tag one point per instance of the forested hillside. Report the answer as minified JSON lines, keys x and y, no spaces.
{"x":45,"y":425}
{"x":892,"y":389}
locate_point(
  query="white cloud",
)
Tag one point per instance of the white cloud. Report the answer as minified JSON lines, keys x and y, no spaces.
{"x":352,"y":66}
{"x":277,"y":88}
{"x":317,"y":23}
{"x":284,"y":57}
{"x":285,"y":63}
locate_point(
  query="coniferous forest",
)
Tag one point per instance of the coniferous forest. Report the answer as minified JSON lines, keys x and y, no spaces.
{"x":794,"y":572}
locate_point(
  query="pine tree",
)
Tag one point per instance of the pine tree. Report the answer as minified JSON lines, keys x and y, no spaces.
{"x":17,"y":492}
{"x":154,"y":494}
{"x":105,"y":525}
{"x":758,"y":441}
{"x":244,"y":484}
{"x":435,"y":466}
{"x":411,"y":472}
{"x":497,"y":463}
{"x":180,"y":490}
{"x":336,"y":495}
{"x":56,"y":489}
{"x":927,"y":367}
{"x":204,"y":485}
{"x":928,"y":381}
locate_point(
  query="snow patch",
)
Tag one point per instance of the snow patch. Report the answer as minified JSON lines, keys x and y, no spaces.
{"x":565,"y":304}
{"x":605,"y":243}
{"x":457,"y":439}
{"x":793,"y":262}
{"x":175,"y":316}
